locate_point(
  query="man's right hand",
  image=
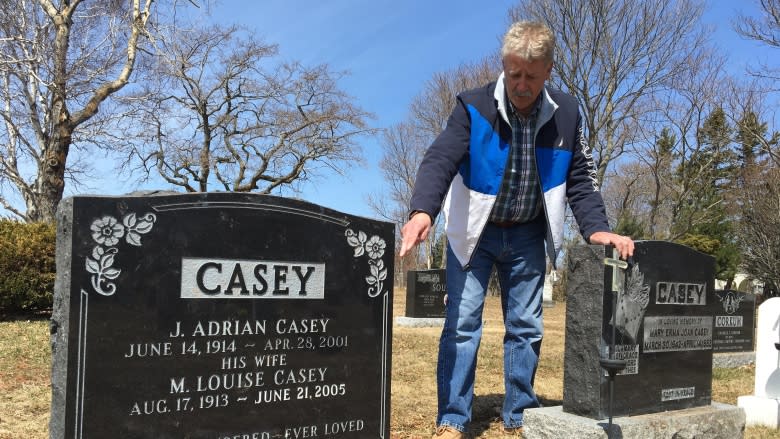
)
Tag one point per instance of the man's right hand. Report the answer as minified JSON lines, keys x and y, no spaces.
{"x":414,"y":231}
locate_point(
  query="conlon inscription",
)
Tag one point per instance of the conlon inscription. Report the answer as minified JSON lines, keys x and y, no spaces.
{"x":246,"y":279}
{"x":728,"y":321}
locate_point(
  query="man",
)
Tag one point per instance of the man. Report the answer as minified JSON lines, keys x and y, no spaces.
{"x":512,"y":153}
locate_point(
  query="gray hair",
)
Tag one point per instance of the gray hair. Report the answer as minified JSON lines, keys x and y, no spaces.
{"x":529,"y":40}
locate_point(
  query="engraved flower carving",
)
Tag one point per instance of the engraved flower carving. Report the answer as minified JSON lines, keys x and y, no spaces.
{"x":101,"y":266}
{"x":378,"y":274}
{"x":107,"y":231}
{"x":357,"y":241}
{"x":137,"y":226}
{"x":375,"y":247}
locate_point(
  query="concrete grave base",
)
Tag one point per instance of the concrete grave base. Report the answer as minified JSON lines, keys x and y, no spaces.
{"x":419,"y":322}
{"x":760,"y":410}
{"x":716,"y":421}
{"x":733,"y":359}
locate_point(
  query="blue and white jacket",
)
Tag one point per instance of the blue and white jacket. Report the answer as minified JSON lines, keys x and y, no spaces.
{"x":466,"y":163}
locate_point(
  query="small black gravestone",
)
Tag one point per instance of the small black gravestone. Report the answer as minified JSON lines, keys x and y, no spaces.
{"x":425,"y":291}
{"x":663,"y":330}
{"x":220,"y":315}
{"x":734,"y":321}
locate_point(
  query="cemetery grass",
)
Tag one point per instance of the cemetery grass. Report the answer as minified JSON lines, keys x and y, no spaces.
{"x":25,"y":366}
{"x":414,"y":376}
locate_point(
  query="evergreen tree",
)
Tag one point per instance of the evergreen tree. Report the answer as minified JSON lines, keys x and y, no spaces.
{"x":630,"y":226}
{"x":703,"y":221}
{"x":750,"y":132}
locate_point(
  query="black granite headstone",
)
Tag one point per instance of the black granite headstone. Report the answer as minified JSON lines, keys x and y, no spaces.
{"x":220,"y":316}
{"x":425,"y":291}
{"x":734,"y":324}
{"x":663,"y":330}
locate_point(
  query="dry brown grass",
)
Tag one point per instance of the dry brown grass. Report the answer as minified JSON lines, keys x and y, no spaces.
{"x":26,"y":392}
{"x":414,"y":373}
{"x":414,"y":385}
{"x":25,"y":362}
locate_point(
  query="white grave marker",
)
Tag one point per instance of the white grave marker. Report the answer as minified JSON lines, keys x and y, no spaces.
{"x":763,"y":407}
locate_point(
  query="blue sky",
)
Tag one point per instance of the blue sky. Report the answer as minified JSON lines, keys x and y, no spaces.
{"x":390,"y":48}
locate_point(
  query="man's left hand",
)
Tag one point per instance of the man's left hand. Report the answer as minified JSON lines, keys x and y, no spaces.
{"x":623,"y":244}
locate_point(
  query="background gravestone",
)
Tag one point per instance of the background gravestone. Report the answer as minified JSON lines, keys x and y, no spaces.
{"x":547,"y":290}
{"x":663,"y":331}
{"x":220,"y":315}
{"x":425,"y":291}
{"x":734,"y":321}
{"x":763,"y":407}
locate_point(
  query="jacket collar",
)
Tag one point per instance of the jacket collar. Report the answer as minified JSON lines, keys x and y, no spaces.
{"x":545,"y":112}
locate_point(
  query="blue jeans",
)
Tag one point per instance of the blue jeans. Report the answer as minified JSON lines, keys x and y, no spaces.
{"x":519,"y":256}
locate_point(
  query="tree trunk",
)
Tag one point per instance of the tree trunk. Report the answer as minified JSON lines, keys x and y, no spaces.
{"x":50,"y":183}
{"x":51,"y":180}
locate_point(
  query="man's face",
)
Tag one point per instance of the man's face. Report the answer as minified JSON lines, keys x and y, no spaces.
{"x":524,"y":81}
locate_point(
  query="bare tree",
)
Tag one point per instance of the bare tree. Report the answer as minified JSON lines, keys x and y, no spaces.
{"x":403,"y":147}
{"x":615,"y":54}
{"x":59,"y":61}
{"x":747,"y":104}
{"x":666,"y":155}
{"x":430,"y":109}
{"x":223,"y":117}
{"x":764,"y":29}
{"x":759,"y":227}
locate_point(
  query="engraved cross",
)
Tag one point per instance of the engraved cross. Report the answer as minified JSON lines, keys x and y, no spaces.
{"x":618,"y":271}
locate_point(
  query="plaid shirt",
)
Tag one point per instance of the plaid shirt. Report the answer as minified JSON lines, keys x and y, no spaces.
{"x":518,"y":197}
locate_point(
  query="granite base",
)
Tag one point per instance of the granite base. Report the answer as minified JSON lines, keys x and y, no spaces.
{"x":419,"y":322}
{"x":716,"y":421}
{"x":760,"y":410}
{"x":733,"y":359}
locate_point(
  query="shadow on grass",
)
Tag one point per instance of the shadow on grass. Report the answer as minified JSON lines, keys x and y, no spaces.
{"x":32,"y":316}
{"x":486,"y":410}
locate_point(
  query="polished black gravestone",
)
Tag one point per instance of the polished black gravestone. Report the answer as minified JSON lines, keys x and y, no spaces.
{"x":425,"y":291}
{"x":220,"y":316}
{"x":734,"y":324}
{"x":663,"y":330}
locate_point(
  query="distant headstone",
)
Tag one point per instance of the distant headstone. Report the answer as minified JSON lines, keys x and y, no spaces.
{"x":547,"y":290}
{"x":734,"y":321}
{"x":763,"y":407}
{"x":662,"y":328}
{"x":220,"y":316}
{"x":425,"y":291}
